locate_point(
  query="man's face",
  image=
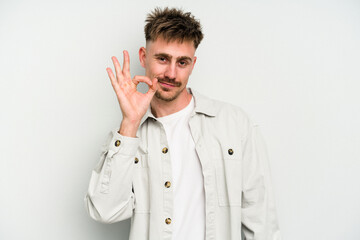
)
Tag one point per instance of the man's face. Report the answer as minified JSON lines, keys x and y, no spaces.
{"x":171,"y":63}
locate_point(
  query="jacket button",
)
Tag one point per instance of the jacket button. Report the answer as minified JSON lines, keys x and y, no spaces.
{"x":230,"y":151}
{"x":165,"y":150}
{"x":168,"y":220}
{"x":117,"y":143}
{"x":136,"y":160}
{"x":167,"y":184}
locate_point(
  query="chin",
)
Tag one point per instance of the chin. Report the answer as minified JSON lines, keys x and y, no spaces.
{"x":165,"y":96}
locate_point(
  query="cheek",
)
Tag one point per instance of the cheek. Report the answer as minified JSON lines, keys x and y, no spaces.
{"x":185,"y":73}
{"x":157,"y":69}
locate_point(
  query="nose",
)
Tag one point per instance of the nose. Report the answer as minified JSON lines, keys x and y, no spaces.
{"x":171,"y":71}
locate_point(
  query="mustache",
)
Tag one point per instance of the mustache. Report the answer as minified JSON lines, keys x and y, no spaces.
{"x":169,"y":81}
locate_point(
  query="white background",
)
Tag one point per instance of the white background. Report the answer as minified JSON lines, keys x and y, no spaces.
{"x":293,"y":66}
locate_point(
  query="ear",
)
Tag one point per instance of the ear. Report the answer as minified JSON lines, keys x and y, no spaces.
{"x":194,"y":63}
{"x":142,"y":56}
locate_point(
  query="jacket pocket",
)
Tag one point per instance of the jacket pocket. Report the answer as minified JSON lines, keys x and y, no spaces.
{"x":228,"y":174}
{"x":141,"y":184}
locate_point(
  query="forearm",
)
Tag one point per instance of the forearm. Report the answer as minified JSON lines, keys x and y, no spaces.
{"x":110,"y":197}
{"x":259,"y":216}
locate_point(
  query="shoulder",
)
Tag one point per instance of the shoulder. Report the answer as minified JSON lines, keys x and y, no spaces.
{"x":219,"y":109}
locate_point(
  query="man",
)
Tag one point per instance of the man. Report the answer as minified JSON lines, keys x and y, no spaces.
{"x":181,"y":166}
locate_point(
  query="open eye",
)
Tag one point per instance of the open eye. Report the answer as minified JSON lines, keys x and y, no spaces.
{"x":183,"y":63}
{"x":162,"y":59}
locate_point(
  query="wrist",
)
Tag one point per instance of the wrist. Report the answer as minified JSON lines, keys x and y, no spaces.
{"x":129,"y":127}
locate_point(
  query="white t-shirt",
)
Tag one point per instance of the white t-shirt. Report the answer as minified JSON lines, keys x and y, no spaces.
{"x":187,"y":182}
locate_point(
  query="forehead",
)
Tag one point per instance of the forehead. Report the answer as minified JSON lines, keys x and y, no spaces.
{"x":174,"y":48}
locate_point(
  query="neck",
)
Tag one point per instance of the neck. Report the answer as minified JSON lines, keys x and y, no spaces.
{"x":161,"y":108}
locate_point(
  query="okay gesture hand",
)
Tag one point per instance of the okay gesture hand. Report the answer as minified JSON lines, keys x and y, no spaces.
{"x":133,"y":103}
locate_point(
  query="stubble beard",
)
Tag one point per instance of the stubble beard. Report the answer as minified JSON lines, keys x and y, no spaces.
{"x":166,"y":99}
{"x":159,"y":95}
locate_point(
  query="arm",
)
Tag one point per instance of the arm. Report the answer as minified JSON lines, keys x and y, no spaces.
{"x":259,"y":220}
{"x":110,"y":198}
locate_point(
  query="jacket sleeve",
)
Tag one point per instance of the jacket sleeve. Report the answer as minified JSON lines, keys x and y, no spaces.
{"x":259,"y":220}
{"x":110,"y":197}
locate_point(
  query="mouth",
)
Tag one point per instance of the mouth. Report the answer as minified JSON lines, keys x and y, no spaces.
{"x":164,"y":82}
{"x":168,"y":85}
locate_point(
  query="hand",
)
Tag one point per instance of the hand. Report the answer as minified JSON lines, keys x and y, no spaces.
{"x":133,"y":104}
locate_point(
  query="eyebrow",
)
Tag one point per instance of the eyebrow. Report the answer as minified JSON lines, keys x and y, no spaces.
{"x":181,"y":58}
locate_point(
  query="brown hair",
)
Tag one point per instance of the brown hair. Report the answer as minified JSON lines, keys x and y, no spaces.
{"x":173,"y":24}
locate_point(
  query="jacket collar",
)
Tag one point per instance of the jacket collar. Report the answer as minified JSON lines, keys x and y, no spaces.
{"x":203,"y":105}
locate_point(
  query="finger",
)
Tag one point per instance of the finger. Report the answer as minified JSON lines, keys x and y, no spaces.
{"x":118,"y":71}
{"x":153,"y":87}
{"x":143,"y":79}
{"x":114,"y":83}
{"x":126,"y":65}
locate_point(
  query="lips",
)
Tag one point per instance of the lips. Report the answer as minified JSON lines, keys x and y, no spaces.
{"x":168,"y":82}
{"x":165,"y":84}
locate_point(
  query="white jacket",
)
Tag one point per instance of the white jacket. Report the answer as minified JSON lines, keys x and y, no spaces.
{"x":128,"y":181}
